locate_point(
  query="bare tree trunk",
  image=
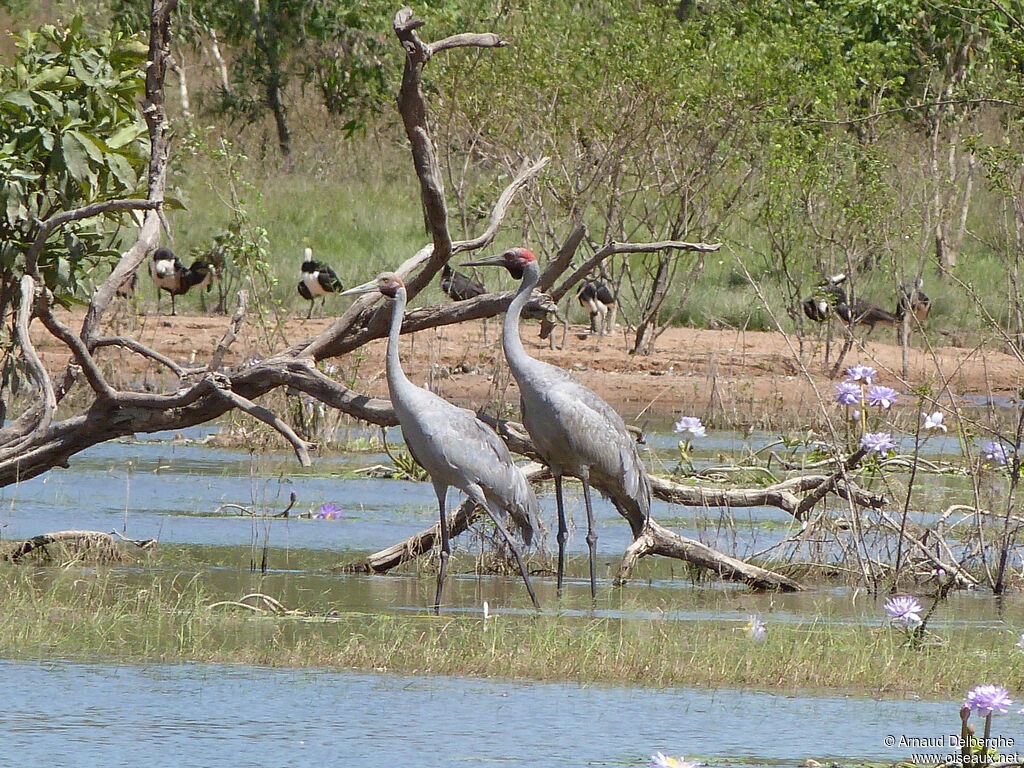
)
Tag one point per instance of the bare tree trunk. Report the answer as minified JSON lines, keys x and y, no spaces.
{"x":646,"y":331}
{"x":274,"y":79}
{"x":179,"y":69}
{"x":222,"y":67}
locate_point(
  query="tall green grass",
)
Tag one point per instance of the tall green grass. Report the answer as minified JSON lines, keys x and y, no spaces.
{"x":92,"y":614}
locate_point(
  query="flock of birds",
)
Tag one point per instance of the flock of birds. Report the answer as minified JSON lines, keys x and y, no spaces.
{"x":575,"y":432}
{"x":830,"y":298}
{"x":318,"y":280}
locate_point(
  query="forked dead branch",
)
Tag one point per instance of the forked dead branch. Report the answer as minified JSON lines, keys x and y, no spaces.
{"x":35,"y":442}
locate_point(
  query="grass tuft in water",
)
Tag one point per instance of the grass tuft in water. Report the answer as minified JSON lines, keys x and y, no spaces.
{"x":95,"y":615}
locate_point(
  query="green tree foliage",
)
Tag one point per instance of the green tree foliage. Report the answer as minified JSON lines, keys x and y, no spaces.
{"x":331,"y":46}
{"x":70,"y":135}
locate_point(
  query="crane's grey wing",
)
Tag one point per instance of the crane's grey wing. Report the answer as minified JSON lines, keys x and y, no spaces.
{"x":597,"y":433}
{"x":475,"y":454}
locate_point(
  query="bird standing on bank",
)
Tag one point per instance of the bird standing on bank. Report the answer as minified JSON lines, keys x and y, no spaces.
{"x":460,"y":287}
{"x":913,"y":301}
{"x":831,"y":296}
{"x":317,"y":280}
{"x":575,"y":431}
{"x":170,"y":275}
{"x":597,"y":298}
{"x":454,"y":446}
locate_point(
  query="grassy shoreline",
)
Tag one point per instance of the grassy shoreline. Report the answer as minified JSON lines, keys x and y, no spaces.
{"x":92,"y":615}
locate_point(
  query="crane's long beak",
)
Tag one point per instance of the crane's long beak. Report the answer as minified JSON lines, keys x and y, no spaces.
{"x":364,"y":288}
{"x":493,"y":261}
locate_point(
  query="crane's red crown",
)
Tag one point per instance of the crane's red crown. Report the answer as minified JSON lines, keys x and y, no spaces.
{"x":519,"y":256}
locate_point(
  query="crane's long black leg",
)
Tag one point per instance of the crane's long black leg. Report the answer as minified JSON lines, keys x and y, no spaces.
{"x":563,"y":532}
{"x":591,"y":539}
{"x":173,"y":310}
{"x":515,"y":552}
{"x":310,"y":313}
{"x":442,"y":495}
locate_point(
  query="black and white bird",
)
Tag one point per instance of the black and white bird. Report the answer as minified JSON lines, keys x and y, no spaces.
{"x":831,"y":297}
{"x":317,"y":280}
{"x":460,"y":287}
{"x":597,"y":298}
{"x":170,"y":275}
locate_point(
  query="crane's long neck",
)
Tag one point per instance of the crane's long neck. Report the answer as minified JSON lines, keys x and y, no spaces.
{"x":511,"y":342}
{"x":397,"y":380}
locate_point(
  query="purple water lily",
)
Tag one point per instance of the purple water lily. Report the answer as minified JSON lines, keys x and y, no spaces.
{"x":692,"y":425}
{"x":904,"y":609}
{"x":995,"y":452}
{"x":847,"y":393}
{"x":327,"y":512}
{"x":882,"y":396}
{"x":879,"y":442}
{"x":757,"y":629}
{"x":862,"y":373}
{"x":987,"y":699}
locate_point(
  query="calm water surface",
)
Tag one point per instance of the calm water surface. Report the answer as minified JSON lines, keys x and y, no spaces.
{"x":85,"y":715}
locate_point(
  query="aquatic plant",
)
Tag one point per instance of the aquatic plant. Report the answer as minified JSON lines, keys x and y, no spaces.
{"x":659,"y":760}
{"x":692,"y":425}
{"x":882,"y":396}
{"x":904,"y":609}
{"x":879,"y":442}
{"x":988,"y":699}
{"x":847,"y":393}
{"x":327,"y":512}
{"x":862,"y":373}
{"x":757,"y":630}
{"x":995,"y":452}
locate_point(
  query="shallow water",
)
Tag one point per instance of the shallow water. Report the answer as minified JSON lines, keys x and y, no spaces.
{"x":159,"y":487}
{"x":85,"y":715}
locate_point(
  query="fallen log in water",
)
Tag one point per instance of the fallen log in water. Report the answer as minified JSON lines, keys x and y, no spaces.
{"x":91,"y":546}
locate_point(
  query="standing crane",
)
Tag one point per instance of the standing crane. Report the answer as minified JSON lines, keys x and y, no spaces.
{"x":454,"y":446}
{"x":317,"y":280}
{"x":575,"y":431}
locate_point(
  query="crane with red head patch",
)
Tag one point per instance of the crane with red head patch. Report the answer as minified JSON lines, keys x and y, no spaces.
{"x":454,"y":446}
{"x":575,"y":431}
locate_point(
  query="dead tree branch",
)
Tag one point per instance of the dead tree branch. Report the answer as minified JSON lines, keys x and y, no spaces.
{"x":613,"y":249}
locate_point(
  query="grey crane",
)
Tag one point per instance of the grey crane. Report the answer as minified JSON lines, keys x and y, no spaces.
{"x":575,"y":431}
{"x":454,"y":446}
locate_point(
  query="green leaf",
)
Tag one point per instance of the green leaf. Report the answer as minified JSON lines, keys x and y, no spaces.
{"x":125,"y":135}
{"x":76,"y":161}
{"x":19,"y":98}
{"x":89,"y":144}
{"x":47,"y":76}
{"x":122,"y":170}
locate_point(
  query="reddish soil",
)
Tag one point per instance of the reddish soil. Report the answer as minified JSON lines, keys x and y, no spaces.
{"x":740,"y":378}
